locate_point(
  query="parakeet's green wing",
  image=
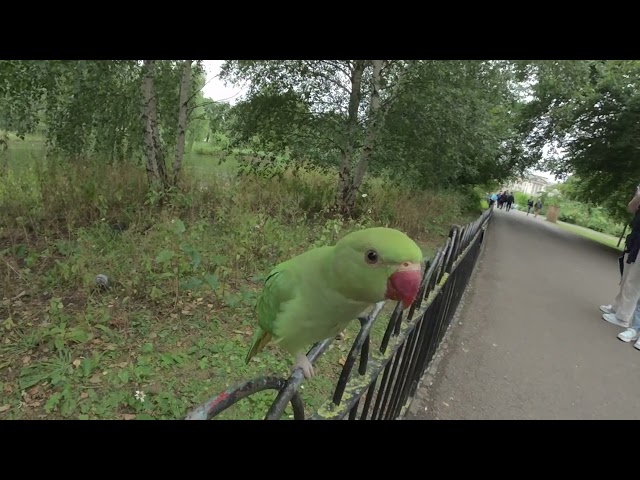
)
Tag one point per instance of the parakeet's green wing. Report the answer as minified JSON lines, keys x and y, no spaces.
{"x":279,"y":288}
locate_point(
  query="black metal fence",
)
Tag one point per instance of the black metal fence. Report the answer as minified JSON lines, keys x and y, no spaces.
{"x":386,"y":377}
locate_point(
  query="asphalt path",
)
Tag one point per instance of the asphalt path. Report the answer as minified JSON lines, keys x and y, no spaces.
{"x":529,"y":341}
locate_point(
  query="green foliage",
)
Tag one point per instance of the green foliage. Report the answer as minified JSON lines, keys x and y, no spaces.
{"x":440,"y":124}
{"x":90,"y":108}
{"x":590,"y":110}
{"x":451,"y":126}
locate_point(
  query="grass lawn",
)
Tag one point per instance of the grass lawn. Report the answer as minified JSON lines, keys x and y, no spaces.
{"x":599,"y":237}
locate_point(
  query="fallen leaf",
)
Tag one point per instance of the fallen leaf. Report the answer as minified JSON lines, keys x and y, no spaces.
{"x":77,"y":362}
{"x":84,"y":395}
{"x":174,"y":315}
{"x":97,"y":378}
{"x":153,"y":335}
{"x":200,"y":299}
{"x":4,"y":408}
{"x":210,"y":305}
{"x":179,"y":344}
{"x":342,"y":361}
{"x":111,"y":347}
{"x":26,"y":360}
{"x":128,"y":416}
{"x":35,"y":404}
{"x":240,"y":332}
{"x":123,"y":364}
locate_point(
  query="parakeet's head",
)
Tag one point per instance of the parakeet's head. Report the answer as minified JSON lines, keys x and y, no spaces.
{"x":379,"y":263}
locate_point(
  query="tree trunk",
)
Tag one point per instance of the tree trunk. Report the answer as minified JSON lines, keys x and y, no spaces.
{"x":371,"y":135}
{"x":185,"y":87}
{"x":345,"y":179}
{"x":156,"y":171}
{"x":377,"y":113}
{"x":4,"y":155}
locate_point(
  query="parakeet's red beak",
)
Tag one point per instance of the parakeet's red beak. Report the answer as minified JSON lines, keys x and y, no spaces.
{"x":404,"y":284}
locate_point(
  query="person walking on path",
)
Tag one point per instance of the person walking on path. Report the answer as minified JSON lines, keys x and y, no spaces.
{"x":623,"y":307}
{"x":536,"y":208}
{"x":510,"y":200}
{"x":529,"y":205}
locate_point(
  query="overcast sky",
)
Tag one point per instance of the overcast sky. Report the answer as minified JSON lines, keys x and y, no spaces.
{"x":216,"y":90}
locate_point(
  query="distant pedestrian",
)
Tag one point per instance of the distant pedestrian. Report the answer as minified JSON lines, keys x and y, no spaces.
{"x":510,"y":200}
{"x":536,"y":208}
{"x":502,"y":200}
{"x":529,"y":205}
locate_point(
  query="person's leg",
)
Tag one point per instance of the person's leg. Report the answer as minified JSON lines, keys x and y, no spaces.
{"x":633,"y":332}
{"x":625,"y":302}
{"x":612,"y":308}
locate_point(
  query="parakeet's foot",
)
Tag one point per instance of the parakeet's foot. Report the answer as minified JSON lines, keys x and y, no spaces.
{"x":303,"y":362}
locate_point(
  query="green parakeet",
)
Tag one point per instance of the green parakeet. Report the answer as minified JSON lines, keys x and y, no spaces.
{"x":315,"y":295}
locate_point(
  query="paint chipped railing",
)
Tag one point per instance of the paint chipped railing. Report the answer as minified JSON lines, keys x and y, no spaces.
{"x":386,"y":377}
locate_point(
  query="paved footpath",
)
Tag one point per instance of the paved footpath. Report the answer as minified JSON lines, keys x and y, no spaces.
{"x":530,"y":342}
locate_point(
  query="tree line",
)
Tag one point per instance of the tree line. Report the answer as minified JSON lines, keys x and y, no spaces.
{"x":425,"y":124}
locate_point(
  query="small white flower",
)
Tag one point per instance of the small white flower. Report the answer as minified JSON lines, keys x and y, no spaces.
{"x":140,"y":395}
{"x":369,"y":211}
{"x":364,"y":195}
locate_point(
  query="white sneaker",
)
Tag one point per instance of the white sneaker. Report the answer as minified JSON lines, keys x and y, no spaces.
{"x":611,"y":318}
{"x":607,"y":309}
{"x":629,"y":335}
{"x":637,"y":345}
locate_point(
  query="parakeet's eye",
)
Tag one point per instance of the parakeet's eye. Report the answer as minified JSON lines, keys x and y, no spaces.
{"x":371,"y":256}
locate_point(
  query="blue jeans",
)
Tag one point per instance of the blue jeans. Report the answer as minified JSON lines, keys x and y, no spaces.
{"x":635,"y":324}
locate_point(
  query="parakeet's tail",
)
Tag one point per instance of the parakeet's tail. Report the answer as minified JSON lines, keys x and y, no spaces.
{"x":260,"y":340}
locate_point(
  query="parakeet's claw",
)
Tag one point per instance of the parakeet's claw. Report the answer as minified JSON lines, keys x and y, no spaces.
{"x":303,"y":362}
